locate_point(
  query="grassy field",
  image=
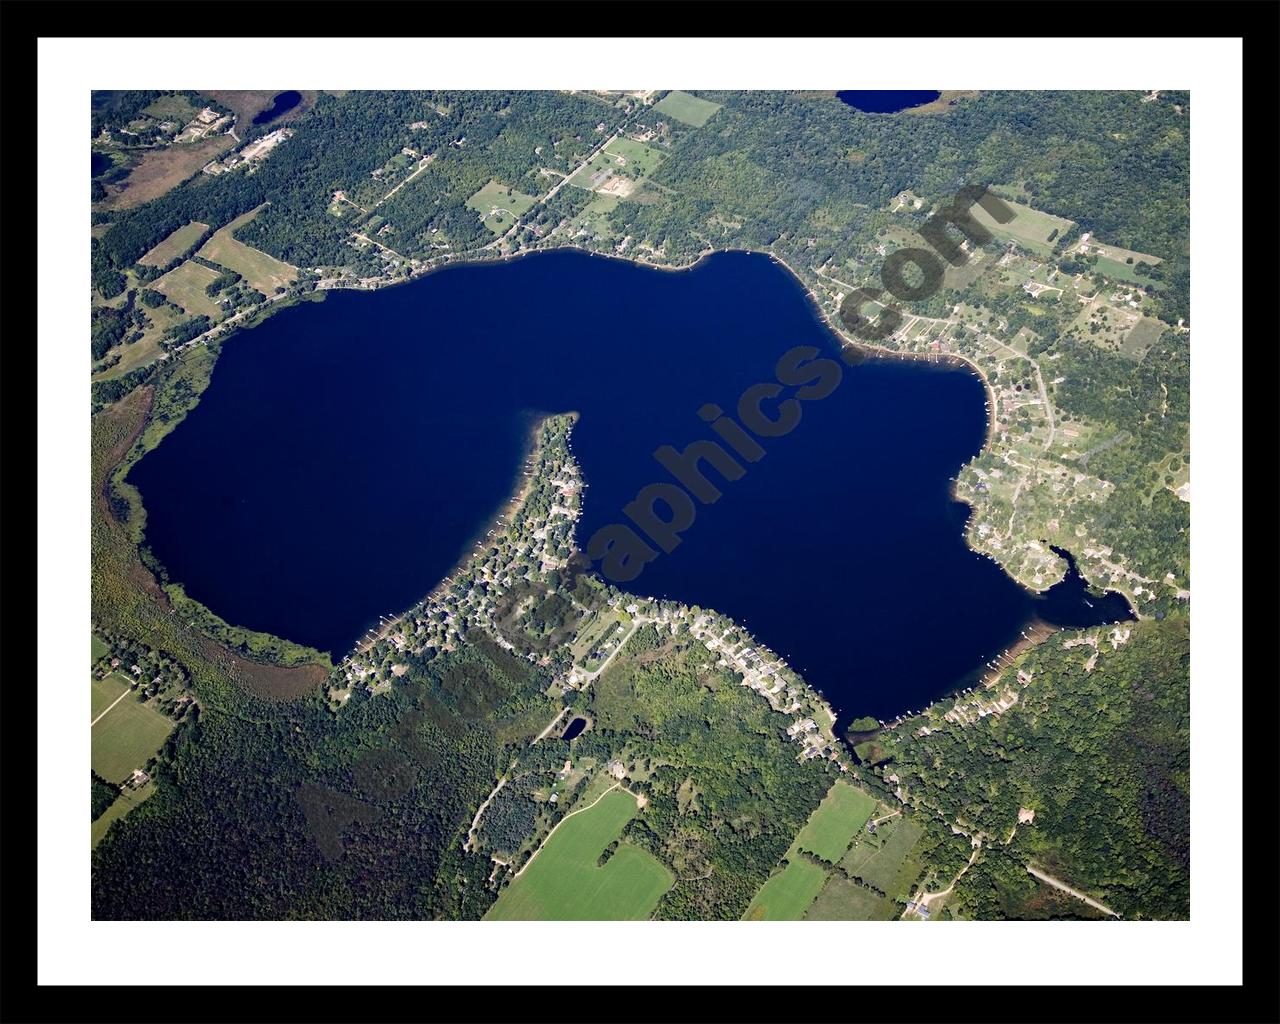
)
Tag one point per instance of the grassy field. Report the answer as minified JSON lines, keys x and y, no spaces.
{"x":829,"y":830}
{"x":126,"y":735}
{"x":172,"y":108}
{"x":1118,"y":271}
{"x":1029,"y":228}
{"x":125,"y":802}
{"x":686,"y":108}
{"x":98,"y":648}
{"x":185,"y":285}
{"x":563,"y":883}
{"x":499,"y":206}
{"x":638,"y":159}
{"x":264,"y":273}
{"x":1145,"y":333}
{"x":177,"y":244}
{"x":104,"y":692}
{"x":842,"y":899}
{"x":787,"y":895}
{"x":884,"y":860}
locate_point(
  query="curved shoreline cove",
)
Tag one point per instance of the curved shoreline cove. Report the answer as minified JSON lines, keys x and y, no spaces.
{"x":347,"y":453}
{"x":886,"y":101}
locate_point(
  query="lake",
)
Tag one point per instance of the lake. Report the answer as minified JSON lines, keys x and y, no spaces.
{"x":348,"y":452}
{"x":282,"y":103}
{"x":887,"y":101}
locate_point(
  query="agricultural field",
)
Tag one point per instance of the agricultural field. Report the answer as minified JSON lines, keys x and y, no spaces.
{"x":499,"y":206}
{"x":787,"y":895}
{"x":1119,"y":271}
{"x":180,"y":243}
{"x":1032,"y":229}
{"x":125,"y":732}
{"x":186,"y":285}
{"x":843,"y":899}
{"x":830,"y":829}
{"x":564,"y":883}
{"x":884,"y":860}
{"x":687,"y":109}
{"x":264,"y":273}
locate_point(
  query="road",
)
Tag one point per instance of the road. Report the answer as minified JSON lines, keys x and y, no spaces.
{"x":552,"y":725}
{"x":1050,"y":880}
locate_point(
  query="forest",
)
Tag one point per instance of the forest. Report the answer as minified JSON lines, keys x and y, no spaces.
{"x":1102,"y":758}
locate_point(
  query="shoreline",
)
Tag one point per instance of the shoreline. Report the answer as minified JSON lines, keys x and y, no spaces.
{"x":501,"y":517}
{"x":513,"y":503}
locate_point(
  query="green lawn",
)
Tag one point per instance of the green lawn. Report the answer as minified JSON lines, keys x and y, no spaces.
{"x":843,"y":811}
{"x":689,"y":109}
{"x":181,"y":242}
{"x":499,"y":206}
{"x":563,"y":883}
{"x":787,"y":895}
{"x":126,"y":736}
{"x":99,"y":648}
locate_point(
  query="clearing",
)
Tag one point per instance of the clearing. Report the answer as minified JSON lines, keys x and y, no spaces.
{"x":1032,"y":229}
{"x":686,"y":108}
{"x":832,"y":826}
{"x":843,"y":899}
{"x":499,"y":206}
{"x":159,"y":170}
{"x":563,"y":882}
{"x":186,"y":285}
{"x":180,"y":243}
{"x":125,"y":732}
{"x":787,"y":895}
{"x":884,"y":860}
{"x":264,"y":273}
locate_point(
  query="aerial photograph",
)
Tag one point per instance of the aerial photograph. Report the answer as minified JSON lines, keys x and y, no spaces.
{"x":639,"y":505}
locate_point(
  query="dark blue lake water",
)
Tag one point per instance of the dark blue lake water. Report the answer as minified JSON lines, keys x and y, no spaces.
{"x":347,"y":452}
{"x":281,"y":103}
{"x":887,"y":101}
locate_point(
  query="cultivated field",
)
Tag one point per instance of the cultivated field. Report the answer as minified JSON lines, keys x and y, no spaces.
{"x":787,"y":895}
{"x":829,"y":830}
{"x":1032,"y":229}
{"x":499,"y":206}
{"x":689,"y":109}
{"x":177,"y":244}
{"x":264,"y":273}
{"x":185,"y":285}
{"x":564,"y":883}
{"x":124,"y":737}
